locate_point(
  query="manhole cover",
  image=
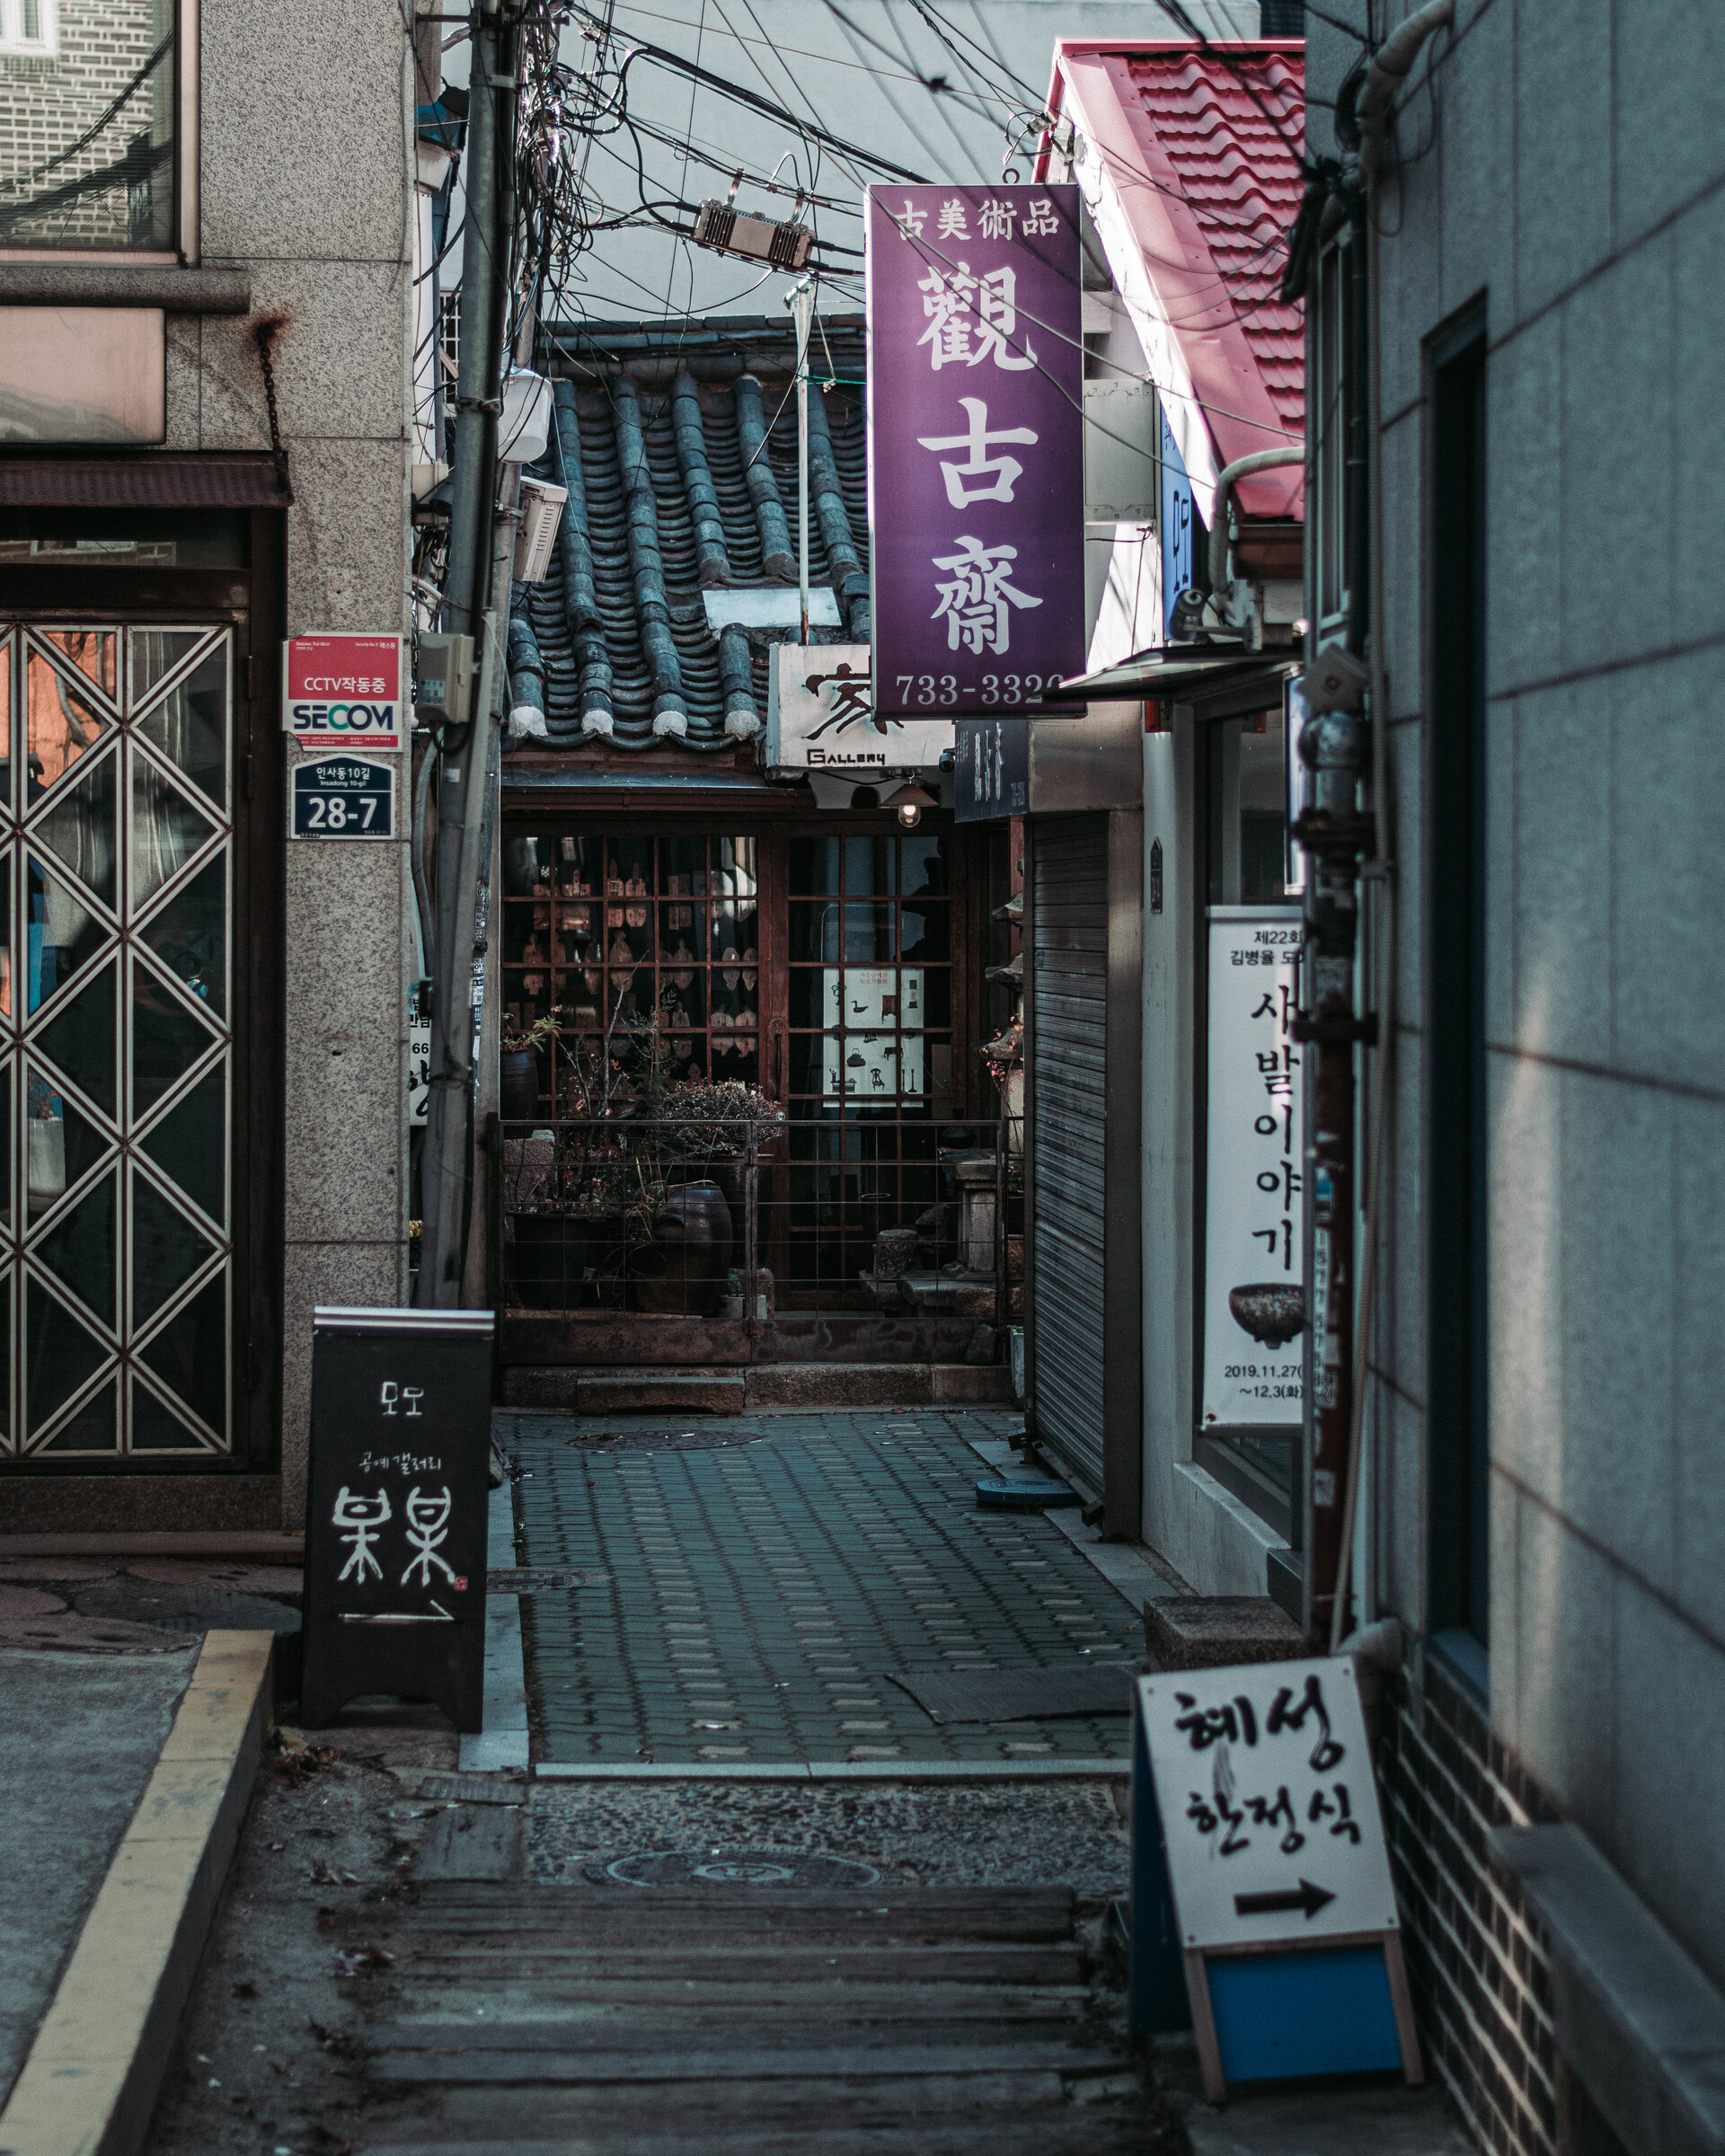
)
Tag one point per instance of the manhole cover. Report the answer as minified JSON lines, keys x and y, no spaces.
{"x":732,"y":1868}
{"x":176,"y":1608}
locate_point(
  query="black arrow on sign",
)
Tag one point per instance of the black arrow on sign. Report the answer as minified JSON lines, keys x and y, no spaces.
{"x":1305,"y":1896}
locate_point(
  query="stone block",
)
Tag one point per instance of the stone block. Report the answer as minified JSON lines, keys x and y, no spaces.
{"x":1525,"y":1233}
{"x":1476,"y":131}
{"x":1561,"y":1640}
{"x":347,"y":1045}
{"x":1562,"y":184}
{"x":1618,"y":462}
{"x":1524,"y":506}
{"x":1667,"y":78}
{"x":1668,"y":971}
{"x":1669,"y":1678}
{"x":184,"y":332}
{"x":1554,"y":859}
{"x":1697,"y":363}
{"x":1617,"y":1345}
{"x":349,"y":514}
{"x":1698,"y":1276}
{"x":141,"y":1504}
{"x":338,"y":363}
{"x":334,"y":91}
{"x":1213,"y":1632}
{"x":841,"y":1384}
{"x":973,"y":1382}
{"x":628,"y":1392}
{"x":370,"y":1274}
{"x":949,"y":1294}
{"x":547,"y":1386}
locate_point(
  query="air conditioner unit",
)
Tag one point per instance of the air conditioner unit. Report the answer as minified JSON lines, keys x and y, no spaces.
{"x":542,"y":512}
{"x":784,"y":246}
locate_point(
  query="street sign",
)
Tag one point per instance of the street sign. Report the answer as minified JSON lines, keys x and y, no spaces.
{"x":976,"y":445}
{"x":339,"y":692}
{"x":343,"y":797}
{"x":396,"y":1512}
{"x":820,"y":716}
{"x":1260,"y":1867}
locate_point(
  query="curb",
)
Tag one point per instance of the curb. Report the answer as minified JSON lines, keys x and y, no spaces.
{"x":94,"y":2073}
{"x":846,"y":1770}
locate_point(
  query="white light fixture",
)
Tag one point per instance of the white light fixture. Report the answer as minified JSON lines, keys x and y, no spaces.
{"x":909,"y":802}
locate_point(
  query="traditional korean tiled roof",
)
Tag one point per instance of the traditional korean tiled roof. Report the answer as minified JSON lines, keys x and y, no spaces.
{"x":1204,"y":145}
{"x":680,"y":458}
{"x":1217,"y":122}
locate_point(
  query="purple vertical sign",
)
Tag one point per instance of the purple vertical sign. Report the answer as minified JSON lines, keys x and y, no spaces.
{"x":976,"y":446}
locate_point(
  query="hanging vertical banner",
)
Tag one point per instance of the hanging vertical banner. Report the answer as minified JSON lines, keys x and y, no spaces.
{"x":991,"y":773}
{"x":976,"y":446}
{"x":1254,"y":1281}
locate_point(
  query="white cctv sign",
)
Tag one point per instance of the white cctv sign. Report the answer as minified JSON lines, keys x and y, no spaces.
{"x":344,"y":691}
{"x":820,"y":716}
{"x":1268,"y":1803}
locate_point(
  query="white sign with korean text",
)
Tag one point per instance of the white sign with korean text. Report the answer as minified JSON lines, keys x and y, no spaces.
{"x":1268,"y":1803}
{"x":820,"y":716}
{"x":875,"y":1057}
{"x":1254,"y":1299}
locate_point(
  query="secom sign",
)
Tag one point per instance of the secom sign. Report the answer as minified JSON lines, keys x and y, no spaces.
{"x":337,"y":690}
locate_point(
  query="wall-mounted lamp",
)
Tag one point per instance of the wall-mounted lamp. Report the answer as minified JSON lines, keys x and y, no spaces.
{"x":910,"y":802}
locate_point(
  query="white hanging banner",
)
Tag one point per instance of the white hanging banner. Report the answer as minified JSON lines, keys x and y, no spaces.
{"x":1254,"y":1283}
{"x":880,"y":1052}
{"x":820,"y":716}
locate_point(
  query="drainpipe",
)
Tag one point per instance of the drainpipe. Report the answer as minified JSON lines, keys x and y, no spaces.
{"x":1386,"y":74}
{"x":1243,"y":467}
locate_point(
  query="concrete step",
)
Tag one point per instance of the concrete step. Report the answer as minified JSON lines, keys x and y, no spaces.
{"x":585,"y":1389}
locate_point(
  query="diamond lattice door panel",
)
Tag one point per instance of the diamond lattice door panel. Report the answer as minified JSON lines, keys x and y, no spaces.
{"x":116,"y":1047}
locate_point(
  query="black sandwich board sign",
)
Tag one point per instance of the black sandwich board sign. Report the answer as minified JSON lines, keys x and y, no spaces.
{"x":1263,"y":1915}
{"x":395,"y":1517}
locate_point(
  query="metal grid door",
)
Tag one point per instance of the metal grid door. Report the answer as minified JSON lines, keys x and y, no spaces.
{"x":116,"y":1041}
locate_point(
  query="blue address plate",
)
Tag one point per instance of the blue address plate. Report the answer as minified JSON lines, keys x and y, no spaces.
{"x":343,"y":797}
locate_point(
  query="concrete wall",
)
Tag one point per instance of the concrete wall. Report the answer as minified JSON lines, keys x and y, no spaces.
{"x":304,"y":168}
{"x":1566,"y":163}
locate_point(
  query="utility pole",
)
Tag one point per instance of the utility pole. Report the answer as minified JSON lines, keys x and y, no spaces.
{"x":469,"y":609}
{"x":802,"y":303}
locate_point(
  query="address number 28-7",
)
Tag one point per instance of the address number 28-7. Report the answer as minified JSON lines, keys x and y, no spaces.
{"x":331,"y":812}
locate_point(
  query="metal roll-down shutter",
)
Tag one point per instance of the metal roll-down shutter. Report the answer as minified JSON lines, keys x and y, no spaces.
{"x":1068,"y":1138}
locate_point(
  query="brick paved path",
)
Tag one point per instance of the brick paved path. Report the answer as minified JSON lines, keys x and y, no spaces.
{"x":757,"y":1591}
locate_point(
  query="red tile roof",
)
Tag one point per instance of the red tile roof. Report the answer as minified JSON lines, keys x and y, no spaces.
{"x":1203,"y":146}
{"x":1217,"y":122}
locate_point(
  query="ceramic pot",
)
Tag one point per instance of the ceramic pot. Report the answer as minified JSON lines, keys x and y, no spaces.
{"x":684,"y":1270}
{"x":1272,"y":1312}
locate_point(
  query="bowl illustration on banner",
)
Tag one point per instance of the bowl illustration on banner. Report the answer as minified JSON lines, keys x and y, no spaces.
{"x":1271,"y":1312}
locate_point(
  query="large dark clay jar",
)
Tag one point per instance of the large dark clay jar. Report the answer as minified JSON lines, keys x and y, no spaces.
{"x":682,"y":1272}
{"x":518,"y":1084}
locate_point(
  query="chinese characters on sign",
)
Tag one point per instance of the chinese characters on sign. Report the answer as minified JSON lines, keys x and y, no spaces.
{"x":976,"y":445}
{"x":1255,"y":1302}
{"x":1268,"y":1809}
{"x":991,"y":776}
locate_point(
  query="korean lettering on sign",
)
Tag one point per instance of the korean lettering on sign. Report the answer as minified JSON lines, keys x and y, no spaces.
{"x":1268,"y":1809}
{"x":976,"y":445}
{"x":340,"y":796}
{"x":396,"y":1510}
{"x":342,"y":690}
{"x":1254,"y":1299}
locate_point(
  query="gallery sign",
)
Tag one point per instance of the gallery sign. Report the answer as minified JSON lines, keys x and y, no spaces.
{"x":820,"y":716}
{"x":1254,"y":1275}
{"x":344,"y":690}
{"x":976,"y":445}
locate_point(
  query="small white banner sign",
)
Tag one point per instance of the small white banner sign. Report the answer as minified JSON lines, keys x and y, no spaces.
{"x":820,"y":716}
{"x":874,"y":1057}
{"x":1254,"y":1278}
{"x":1268,"y":1803}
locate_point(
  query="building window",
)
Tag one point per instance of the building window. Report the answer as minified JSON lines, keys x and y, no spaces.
{"x":87,"y":148}
{"x":29,"y":30}
{"x":1456,"y":1110}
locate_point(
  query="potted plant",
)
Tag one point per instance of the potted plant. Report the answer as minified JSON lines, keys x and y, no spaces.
{"x":517,"y":1067}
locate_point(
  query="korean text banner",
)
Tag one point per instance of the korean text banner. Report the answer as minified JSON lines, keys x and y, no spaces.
{"x":976,"y":446}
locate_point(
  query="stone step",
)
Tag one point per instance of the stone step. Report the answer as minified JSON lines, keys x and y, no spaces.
{"x":624,"y":1391}
{"x":1215,"y":1631}
{"x":581,"y":1389}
